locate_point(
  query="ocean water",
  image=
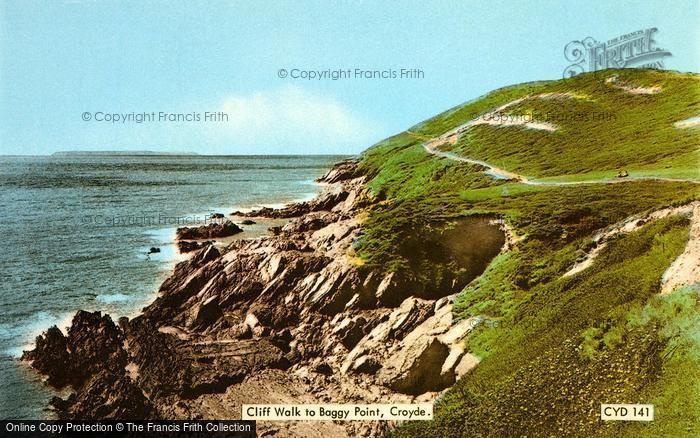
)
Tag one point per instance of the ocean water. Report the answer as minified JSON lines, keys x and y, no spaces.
{"x":75,"y":231}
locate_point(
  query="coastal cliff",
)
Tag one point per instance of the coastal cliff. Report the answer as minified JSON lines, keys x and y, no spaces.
{"x":260,"y":317}
{"x":512,"y":261}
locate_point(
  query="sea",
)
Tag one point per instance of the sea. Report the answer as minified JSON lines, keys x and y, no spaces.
{"x":76,"y":231}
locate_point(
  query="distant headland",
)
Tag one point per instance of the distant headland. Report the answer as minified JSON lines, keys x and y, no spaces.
{"x":82,"y":153}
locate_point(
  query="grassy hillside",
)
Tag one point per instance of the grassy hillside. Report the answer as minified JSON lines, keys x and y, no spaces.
{"x":560,"y":345}
{"x":601,"y":127}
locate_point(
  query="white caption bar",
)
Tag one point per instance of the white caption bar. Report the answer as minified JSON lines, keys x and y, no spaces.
{"x":329,"y":412}
{"x":626,"y":412}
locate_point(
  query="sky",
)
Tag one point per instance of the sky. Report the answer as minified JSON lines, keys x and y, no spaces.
{"x":67,"y":66}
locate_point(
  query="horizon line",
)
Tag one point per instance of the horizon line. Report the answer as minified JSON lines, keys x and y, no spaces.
{"x":180,"y":154}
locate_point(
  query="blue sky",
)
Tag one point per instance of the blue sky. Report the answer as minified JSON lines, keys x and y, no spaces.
{"x":59,"y":59}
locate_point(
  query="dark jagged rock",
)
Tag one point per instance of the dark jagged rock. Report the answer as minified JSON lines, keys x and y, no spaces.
{"x":50,"y":357}
{"x":185,"y":246}
{"x":72,"y":359}
{"x":91,"y":359}
{"x":324,"y":202}
{"x":366,"y":365}
{"x":340,"y":172}
{"x":93,"y":338}
{"x":323,"y":368}
{"x":108,"y":394}
{"x":351,"y":331}
{"x":206,"y":313}
{"x":209,"y":231}
{"x":289,"y":300}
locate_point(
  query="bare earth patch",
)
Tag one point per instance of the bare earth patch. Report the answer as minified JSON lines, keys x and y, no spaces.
{"x":630,"y":88}
{"x":691,"y":122}
{"x":687,"y":266}
{"x":685,"y":270}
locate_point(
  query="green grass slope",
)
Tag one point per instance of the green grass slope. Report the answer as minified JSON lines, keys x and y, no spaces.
{"x":559,"y":346}
{"x":601,"y":127}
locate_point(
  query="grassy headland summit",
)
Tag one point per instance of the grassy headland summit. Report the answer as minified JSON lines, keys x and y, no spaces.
{"x":559,"y":346}
{"x":520,"y":259}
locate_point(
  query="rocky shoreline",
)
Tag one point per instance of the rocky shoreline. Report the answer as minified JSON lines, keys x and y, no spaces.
{"x":288,"y":318}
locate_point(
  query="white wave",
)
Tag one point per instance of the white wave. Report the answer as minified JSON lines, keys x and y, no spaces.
{"x":22,"y":336}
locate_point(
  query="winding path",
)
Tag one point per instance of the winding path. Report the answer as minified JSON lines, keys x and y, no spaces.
{"x":497,"y":173}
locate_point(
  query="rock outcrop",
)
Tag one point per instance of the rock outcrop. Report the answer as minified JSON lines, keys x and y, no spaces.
{"x":292,"y":308}
{"x":209,"y":231}
{"x":184,"y":246}
{"x":333,"y":196}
